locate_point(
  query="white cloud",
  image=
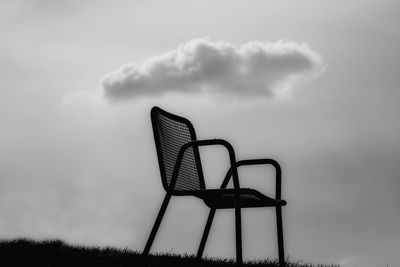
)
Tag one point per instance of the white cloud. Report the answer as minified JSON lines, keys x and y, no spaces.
{"x":254,"y":69}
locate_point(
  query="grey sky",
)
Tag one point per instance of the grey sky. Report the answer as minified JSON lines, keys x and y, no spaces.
{"x":73,"y":166}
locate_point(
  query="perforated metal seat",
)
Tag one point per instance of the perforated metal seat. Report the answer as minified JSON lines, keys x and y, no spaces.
{"x":182,"y":175}
{"x":225,"y":198}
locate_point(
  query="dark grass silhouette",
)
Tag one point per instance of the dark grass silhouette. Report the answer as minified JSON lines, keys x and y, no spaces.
{"x":25,"y":252}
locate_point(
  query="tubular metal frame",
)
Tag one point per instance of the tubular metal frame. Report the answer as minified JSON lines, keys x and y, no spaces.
{"x":232,"y":172}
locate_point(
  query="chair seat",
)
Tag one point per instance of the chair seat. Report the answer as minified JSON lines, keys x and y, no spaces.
{"x":225,"y":198}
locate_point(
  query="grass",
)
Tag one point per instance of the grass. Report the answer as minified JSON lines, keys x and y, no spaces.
{"x":25,"y":252}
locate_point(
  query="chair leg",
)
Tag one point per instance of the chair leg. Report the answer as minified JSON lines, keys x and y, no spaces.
{"x":206,"y":232}
{"x":156,"y":224}
{"x":280,"y":236}
{"x":238,"y":226}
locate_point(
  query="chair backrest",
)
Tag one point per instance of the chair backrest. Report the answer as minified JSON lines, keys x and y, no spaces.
{"x":171,"y":132}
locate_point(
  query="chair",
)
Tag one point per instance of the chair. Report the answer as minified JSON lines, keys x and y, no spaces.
{"x":181,"y":174}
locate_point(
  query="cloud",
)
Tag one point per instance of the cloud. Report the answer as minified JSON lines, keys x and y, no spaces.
{"x":255,"y":69}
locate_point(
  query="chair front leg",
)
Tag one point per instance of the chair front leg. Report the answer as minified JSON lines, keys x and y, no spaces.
{"x":205,"y":233}
{"x":280,"y":236}
{"x":157,"y":224}
{"x":238,"y":226}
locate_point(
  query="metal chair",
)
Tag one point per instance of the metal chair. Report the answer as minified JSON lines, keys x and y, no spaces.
{"x":182,"y":175}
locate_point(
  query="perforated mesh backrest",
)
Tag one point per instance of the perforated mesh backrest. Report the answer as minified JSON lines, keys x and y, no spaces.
{"x":170,"y":134}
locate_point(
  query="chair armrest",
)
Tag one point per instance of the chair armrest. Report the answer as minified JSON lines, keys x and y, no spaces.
{"x":207,"y":142}
{"x":278,"y":172}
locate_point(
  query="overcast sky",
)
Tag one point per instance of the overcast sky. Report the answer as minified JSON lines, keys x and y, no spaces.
{"x":313,"y":84}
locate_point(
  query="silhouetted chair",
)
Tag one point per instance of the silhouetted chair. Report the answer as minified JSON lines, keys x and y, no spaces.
{"x":182,"y":175}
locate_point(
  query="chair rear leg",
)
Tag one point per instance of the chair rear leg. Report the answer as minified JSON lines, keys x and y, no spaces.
{"x":156,"y":224}
{"x":280,"y":236}
{"x":205,"y":233}
{"x":238,"y":226}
